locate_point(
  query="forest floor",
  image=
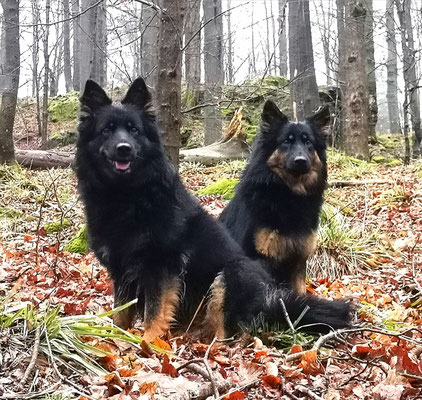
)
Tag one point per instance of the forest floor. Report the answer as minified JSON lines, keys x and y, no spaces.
{"x":52,"y":345}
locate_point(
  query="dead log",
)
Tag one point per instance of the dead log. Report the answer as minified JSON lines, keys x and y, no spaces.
{"x":40,"y":159}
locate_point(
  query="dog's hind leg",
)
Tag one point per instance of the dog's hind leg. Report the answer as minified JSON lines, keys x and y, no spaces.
{"x":160,"y":307}
{"x":125,"y":291}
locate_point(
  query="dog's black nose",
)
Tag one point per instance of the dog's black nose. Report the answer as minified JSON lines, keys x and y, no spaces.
{"x":300,"y":161}
{"x":123,"y":149}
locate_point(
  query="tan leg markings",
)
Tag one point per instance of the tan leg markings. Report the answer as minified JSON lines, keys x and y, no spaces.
{"x":168,"y":305}
{"x":301,"y":184}
{"x":270,"y":243}
{"x":213,"y":324}
{"x":299,"y":282}
{"x":124,"y":318}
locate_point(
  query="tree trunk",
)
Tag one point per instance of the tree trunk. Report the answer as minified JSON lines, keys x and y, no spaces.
{"x":325,"y":29}
{"x":409,"y":71}
{"x":76,"y":46}
{"x":93,"y":42}
{"x":66,"y":47}
{"x":370,"y":70}
{"x":193,"y":49}
{"x":40,"y":159}
{"x":303,"y":85}
{"x":356,"y":90}
{"x":213,"y":62}
{"x":282,"y":29}
{"x":44,"y":130}
{"x":9,"y":77}
{"x":229,"y":45}
{"x":150,"y":29}
{"x":392,"y":100}
{"x":169,"y":80}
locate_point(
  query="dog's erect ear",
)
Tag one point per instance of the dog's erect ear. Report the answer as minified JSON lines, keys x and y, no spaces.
{"x":94,"y":96}
{"x":138,"y":94}
{"x":321,"y":119}
{"x":271,"y":114}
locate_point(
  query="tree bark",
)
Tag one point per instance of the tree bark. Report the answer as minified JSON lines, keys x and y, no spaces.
{"x":303,"y":85}
{"x":93,"y":42}
{"x":356,"y":89}
{"x":282,"y":29}
{"x":39,"y":159}
{"x":76,"y":46}
{"x":370,"y":70}
{"x":409,"y":71}
{"x":66,"y":47}
{"x":169,"y":81}
{"x":230,"y":76}
{"x":9,"y":77}
{"x":44,"y":124}
{"x":392,"y":100}
{"x":213,"y":62}
{"x":193,"y":50}
{"x":150,"y":29}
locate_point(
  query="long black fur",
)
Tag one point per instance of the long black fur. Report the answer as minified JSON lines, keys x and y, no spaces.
{"x":264,"y":198}
{"x":147,"y":229}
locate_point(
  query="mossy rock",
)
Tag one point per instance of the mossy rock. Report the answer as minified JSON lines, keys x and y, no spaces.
{"x":64,"y":108}
{"x":63,"y":138}
{"x":57,"y":226}
{"x":79,"y":244}
{"x":223,"y":187}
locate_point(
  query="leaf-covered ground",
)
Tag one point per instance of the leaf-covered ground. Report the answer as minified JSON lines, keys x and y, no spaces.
{"x":370,"y":251}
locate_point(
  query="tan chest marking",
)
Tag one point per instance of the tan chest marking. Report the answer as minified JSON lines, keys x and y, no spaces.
{"x":169,"y":303}
{"x":270,"y":243}
{"x":213,"y":324}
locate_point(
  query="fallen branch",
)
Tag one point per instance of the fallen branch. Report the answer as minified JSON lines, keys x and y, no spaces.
{"x":358,"y":183}
{"x":40,"y":159}
{"x":34,"y":356}
{"x":309,"y":392}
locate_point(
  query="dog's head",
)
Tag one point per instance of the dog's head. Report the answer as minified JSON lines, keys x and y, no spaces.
{"x":295,"y":151}
{"x":117,"y":139}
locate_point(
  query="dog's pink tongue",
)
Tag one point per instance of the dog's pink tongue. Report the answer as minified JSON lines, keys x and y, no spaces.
{"x":122,"y":165}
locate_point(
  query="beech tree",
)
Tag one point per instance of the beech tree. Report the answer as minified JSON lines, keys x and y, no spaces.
{"x":9,"y":77}
{"x":303,"y":85}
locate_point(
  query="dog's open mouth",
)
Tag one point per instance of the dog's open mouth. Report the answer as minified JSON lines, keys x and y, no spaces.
{"x":122,"y":165}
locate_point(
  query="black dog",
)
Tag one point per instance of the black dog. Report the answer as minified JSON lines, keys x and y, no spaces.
{"x":274,"y":214}
{"x":157,"y":243}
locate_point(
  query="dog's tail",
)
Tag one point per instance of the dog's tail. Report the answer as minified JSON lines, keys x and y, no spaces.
{"x":312,"y":313}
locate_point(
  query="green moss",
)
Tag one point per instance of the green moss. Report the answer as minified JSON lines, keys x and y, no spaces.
{"x":395,"y":162}
{"x":57,"y":226}
{"x":224,"y":187}
{"x":79,"y":244}
{"x":7,"y":212}
{"x":64,"y":108}
{"x":379,"y":159}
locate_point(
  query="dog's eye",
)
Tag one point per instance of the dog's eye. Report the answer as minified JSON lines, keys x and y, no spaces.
{"x":106,"y":131}
{"x":133,"y":131}
{"x":308,"y":142}
{"x":287,"y":141}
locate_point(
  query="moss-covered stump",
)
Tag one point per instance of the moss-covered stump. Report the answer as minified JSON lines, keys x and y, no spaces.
{"x":64,"y":108}
{"x":223,"y":187}
{"x":79,"y":244}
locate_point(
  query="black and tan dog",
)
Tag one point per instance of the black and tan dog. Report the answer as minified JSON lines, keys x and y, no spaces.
{"x":158,"y":244}
{"x":274,"y":214}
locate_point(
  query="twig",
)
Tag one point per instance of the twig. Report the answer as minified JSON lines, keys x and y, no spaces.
{"x":207,"y":366}
{"x":35,"y":352}
{"x":309,"y":392}
{"x":286,"y":315}
{"x":240,"y":388}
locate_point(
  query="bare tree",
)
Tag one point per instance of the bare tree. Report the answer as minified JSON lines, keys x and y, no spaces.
{"x":303,"y":85}
{"x":150,"y":28}
{"x":169,"y":80}
{"x":409,"y":71}
{"x":44,"y":120}
{"x":193,"y":46}
{"x":392,"y":100}
{"x":282,"y":42}
{"x":213,"y":63}
{"x":9,"y":77}
{"x":66,"y":47}
{"x":370,"y":70}
{"x":229,"y":45}
{"x":76,"y":46}
{"x":356,"y":121}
